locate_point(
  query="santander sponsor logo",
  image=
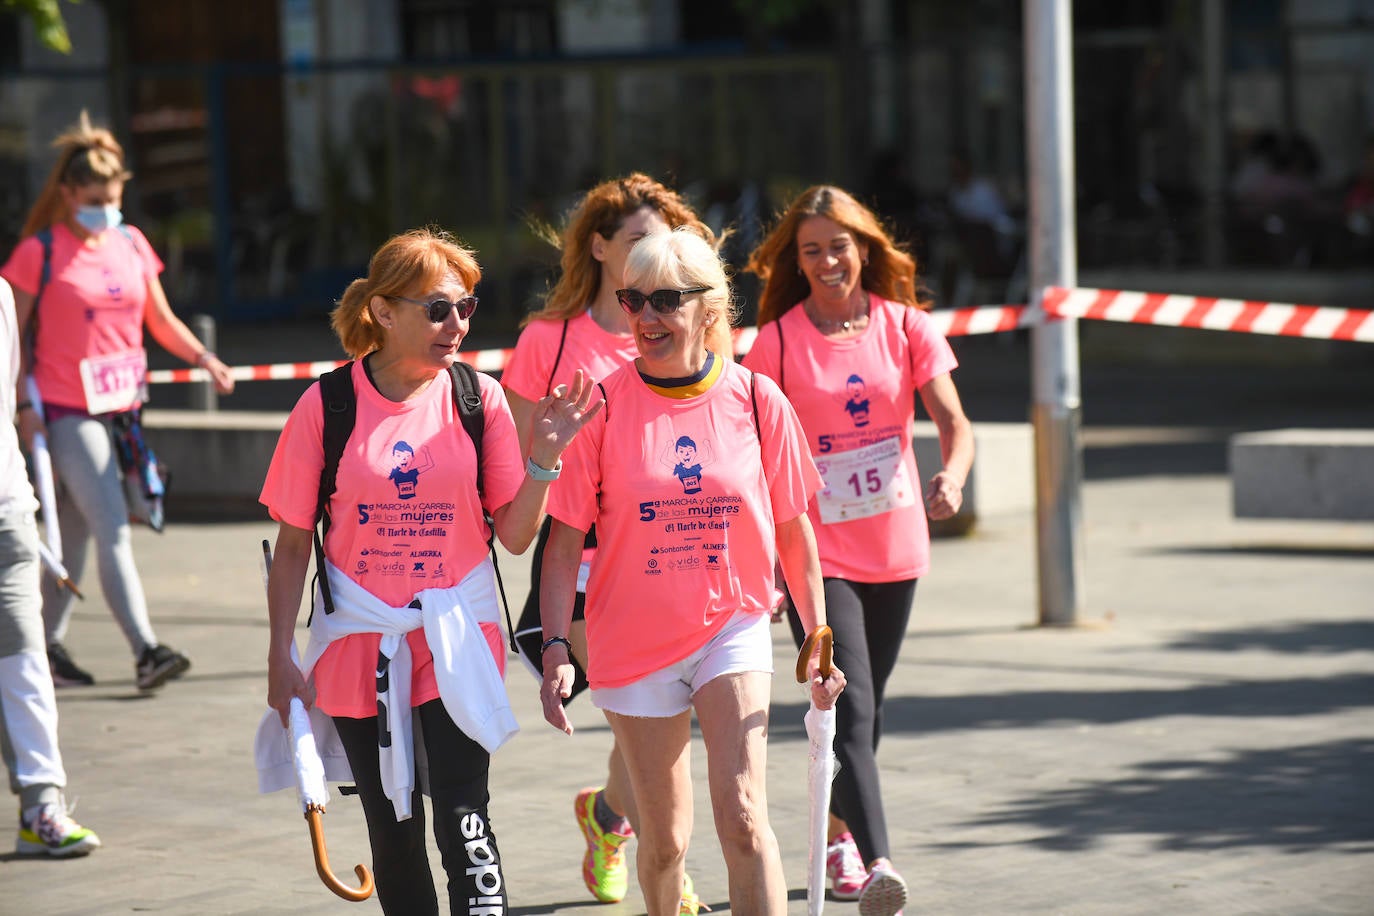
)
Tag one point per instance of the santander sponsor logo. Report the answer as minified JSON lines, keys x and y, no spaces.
{"x":485,"y":870}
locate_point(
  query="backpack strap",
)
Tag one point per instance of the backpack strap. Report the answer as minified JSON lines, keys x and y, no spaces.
{"x":558,"y":357}
{"x":467,"y":398}
{"x":754,"y":400}
{"x":340,"y":413}
{"x":44,"y":237}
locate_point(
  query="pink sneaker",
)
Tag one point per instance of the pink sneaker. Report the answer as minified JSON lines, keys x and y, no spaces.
{"x":844,"y":868}
{"x":885,"y":892}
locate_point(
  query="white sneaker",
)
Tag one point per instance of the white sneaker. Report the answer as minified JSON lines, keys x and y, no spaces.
{"x":885,"y":892}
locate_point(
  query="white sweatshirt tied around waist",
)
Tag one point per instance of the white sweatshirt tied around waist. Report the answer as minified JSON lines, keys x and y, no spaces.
{"x":469,"y":682}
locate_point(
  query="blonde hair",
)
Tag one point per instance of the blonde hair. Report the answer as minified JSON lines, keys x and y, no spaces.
{"x":681,"y":259}
{"x":420,"y":258}
{"x":603,"y":210}
{"x":87,"y":155}
{"x":889,"y":271}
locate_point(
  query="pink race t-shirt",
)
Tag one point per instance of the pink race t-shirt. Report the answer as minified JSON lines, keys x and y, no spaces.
{"x":92,"y":307}
{"x":404,"y":517}
{"x":685,"y":498}
{"x":856,"y":400}
{"x":532,"y":373}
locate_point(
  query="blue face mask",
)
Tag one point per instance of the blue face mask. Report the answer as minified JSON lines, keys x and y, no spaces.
{"x":96,"y":220}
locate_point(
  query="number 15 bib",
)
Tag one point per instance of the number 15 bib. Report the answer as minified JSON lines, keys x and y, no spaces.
{"x":863,"y":481}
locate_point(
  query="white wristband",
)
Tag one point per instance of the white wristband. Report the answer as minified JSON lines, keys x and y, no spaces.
{"x":537,"y":472}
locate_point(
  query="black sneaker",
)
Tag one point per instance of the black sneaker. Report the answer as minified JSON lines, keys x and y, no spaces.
{"x":64,"y":670}
{"x":159,"y":664}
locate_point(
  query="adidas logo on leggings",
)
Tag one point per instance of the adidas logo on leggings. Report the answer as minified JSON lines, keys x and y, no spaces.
{"x":485,"y":870}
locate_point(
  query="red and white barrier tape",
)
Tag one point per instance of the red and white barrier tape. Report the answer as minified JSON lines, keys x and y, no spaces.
{"x":985,"y":319}
{"x":1314,"y":321}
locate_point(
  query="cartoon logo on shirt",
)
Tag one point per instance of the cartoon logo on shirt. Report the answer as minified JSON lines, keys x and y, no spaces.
{"x":856,"y":404}
{"x":405,"y":472}
{"x":112,"y":285}
{"x":686,"y":460}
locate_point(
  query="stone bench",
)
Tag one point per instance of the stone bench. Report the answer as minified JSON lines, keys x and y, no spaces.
{"x":218,"y":460}
{"x":1303,"y":473}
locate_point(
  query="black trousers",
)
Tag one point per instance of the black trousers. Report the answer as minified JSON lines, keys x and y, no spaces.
{"x":869,"y":621}
{"x":458,"y":768}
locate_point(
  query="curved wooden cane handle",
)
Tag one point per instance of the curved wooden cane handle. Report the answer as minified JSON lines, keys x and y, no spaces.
{"x":822,"y":635}
{"x":312,"y":817}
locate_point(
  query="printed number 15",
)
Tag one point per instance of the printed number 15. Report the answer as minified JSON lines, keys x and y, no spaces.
{"x":871,"y":480}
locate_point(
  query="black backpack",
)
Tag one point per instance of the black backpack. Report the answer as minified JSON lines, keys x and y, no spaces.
{"x":340,"y":406}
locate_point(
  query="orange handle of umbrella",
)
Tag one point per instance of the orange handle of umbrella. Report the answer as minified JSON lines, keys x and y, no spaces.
{"x":312,"y":816}
{"x":823,"y":636}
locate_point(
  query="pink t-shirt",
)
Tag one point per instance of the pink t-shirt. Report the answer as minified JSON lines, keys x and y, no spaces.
{"x":856,"y":399}
{"x":588,"y":346}
{"x":92,"y":307}
{"x":404,"y":517}
{"x":685,"y":498}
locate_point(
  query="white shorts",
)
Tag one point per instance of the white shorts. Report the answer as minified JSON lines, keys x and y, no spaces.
{"x":745,"y":643}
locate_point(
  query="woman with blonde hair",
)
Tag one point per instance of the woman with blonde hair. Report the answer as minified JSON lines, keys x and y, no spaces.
{"x":421,"y":636}
{"x":697,"y":481}
{"x":582,"y":326}
{"x":85,"y":286}
{"x":843,"y":334}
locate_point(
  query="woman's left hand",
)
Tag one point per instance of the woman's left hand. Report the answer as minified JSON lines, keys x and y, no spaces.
{"x":944,"y":496}
{"x":220,"y":374}
{"x":559,"y":416}
{"x":824,"y":691}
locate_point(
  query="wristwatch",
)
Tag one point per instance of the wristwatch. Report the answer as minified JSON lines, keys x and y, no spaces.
{"x":541,"y":473}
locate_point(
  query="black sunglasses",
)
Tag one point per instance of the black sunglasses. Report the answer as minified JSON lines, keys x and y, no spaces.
{"x":438,"y":309}
{"x":664,"y":301}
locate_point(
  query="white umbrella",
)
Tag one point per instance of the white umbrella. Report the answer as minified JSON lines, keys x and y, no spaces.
{"x":51,"y":552}
{"x":820,"y":728}
{"x":310,"y":781}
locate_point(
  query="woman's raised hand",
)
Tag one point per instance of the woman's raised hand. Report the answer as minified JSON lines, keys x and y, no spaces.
{"x":559,"y":416}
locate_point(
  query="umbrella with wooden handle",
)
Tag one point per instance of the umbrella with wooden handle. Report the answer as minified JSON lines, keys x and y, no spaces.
{"x":820,"y":728}
{"x":310,"y":784}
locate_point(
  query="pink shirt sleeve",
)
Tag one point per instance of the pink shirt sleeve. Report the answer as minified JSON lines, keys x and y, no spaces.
{"x":787,"y":464}
{"x":24,"y":266}
{"x":292,"y":486}
{"x":503,"y":468}
{"x":527,"y":373}
{"x":572,"y":498}
{"x":930,"y":352}
{"x":152,"y":264}
{"x":763,"y":355}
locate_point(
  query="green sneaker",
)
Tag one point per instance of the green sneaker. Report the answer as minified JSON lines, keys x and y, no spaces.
{"x":603,"y":867}
{"x":51,"y":831}
{"x":690,"y":904}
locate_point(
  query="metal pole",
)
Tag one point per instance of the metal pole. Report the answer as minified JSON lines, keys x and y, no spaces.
{"x":203,"y":394}
{"x":1056,"y":403}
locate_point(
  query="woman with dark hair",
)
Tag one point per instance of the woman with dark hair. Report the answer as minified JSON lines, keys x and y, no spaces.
{"x":843,"y":334}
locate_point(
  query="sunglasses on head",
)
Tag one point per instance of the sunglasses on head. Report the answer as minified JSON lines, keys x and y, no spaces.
{"x":664,"y":301}
{"x":438,"y":309}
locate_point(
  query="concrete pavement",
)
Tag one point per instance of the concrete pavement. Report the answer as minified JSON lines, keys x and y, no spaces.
{"x":1202,"y":744}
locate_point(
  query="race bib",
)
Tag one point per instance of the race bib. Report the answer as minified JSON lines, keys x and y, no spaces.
{"x":863,"y":481}
{"x":115,"y":381}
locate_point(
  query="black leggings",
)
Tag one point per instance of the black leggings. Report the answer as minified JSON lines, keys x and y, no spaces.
{"x":458,"y":786}
{"x":869,"y":620}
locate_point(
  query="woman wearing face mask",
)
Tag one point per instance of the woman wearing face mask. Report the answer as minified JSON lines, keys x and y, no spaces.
{"x":841,"y":332}
{"x":582,"y":326}
{"x":85,"y":286}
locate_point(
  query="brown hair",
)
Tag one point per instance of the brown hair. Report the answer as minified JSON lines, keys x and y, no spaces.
{"x":603,"y":210}
{"x":407,"y":262}
{"x":87,"y":155}
{"x":889,"y":272}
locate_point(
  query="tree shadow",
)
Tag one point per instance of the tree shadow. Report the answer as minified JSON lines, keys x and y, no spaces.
{"x":1301,"y":551}
{"x":1320,"y":637}
{"x":1294,"y":799}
